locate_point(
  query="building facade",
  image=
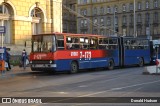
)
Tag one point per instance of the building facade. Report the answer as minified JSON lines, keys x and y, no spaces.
{"x":22,"y":18}
{"x":116,"y":17}
{"x":69,"y":16}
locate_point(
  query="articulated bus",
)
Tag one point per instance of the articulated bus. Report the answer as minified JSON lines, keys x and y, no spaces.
{"x":72,"y":52}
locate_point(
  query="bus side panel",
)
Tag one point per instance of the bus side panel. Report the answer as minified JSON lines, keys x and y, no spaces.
{"x":132,"y":56}
{"x":114,"y":54}
{"x":62,"y":65}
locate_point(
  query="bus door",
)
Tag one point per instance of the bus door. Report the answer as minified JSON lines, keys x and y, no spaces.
{"x":121,"y":51}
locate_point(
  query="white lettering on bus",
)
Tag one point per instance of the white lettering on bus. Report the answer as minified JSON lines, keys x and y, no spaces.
{"x":39,"y":56}
{"x":74,"y":53}
{"x":87,"y":55}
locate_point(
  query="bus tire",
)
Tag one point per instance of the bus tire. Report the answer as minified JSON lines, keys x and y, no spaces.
{"x":141,"y":62}
{"x":111,"y":65}
{"x":74,"y":67}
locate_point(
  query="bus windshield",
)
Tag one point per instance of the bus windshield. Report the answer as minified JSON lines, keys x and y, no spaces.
{"x":42,"y":43}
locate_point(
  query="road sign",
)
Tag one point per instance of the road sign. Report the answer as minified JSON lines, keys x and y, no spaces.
{"x":2,"y":29}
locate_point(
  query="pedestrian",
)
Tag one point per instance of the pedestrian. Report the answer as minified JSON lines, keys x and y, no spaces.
{"x":24,"y":58}
{"x":7,"y":60}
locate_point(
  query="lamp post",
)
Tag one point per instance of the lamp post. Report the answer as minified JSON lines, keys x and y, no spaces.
{"x":135,"y":29}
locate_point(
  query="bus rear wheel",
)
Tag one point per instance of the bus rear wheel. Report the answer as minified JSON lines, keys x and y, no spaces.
{"x":111,"y":65}
{"x":74,"y":67}
{"x":141,"y":62}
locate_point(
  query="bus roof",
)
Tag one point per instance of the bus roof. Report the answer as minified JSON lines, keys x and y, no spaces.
{"x":71,"y":34}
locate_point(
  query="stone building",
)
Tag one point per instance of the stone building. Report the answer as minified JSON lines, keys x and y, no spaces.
{"x":69,"y":17}
{"x":22,"y":18}
{"x":116,"y":17}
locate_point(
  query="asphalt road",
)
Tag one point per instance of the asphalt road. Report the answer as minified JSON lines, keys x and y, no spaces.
{"x":126,"y":82}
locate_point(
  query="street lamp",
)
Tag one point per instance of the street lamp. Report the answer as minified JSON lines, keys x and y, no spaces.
{"x":135,"y":32}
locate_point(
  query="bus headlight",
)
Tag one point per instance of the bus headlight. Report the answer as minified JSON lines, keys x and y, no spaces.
{"x":50,"y":62}
{"x":30,"y":62}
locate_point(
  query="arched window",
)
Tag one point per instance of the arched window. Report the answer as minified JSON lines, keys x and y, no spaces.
{"x":139,"y":5}
{"x":147,"y":4}
{"x":155,"y":3}
{"x":115,"y":9}
{"x":108,"y":10}
{"x":102,"y":10}
{"x":4,"y":21}
{"x":124,"y":7}
{"x":37,"y":16}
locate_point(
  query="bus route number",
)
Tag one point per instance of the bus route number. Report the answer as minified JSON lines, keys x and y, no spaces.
{"x":87,"y":55}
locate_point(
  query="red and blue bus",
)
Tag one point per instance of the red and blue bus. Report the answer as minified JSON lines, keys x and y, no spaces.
{"x":72,"y":52}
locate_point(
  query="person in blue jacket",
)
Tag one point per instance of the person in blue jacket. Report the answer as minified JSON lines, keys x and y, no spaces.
{"x":7,"y":60}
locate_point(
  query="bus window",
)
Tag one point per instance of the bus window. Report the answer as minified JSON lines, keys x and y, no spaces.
{"x":84,"y":43}
{"x":60,"y":42}
{"x":93,"y":43}
{"x":103,"y":43}
{"x":112,"y":43}
{"x":133,"y":44}
{"x":127,"y":43}
{"x":42,"y":44}
{"x":47,"y":43}
{"x":72,"y":42}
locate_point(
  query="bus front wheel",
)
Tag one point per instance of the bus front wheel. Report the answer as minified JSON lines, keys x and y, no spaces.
{"x":74,"y":67}
{"x":141,"y":62}
{"x":111,"y":65}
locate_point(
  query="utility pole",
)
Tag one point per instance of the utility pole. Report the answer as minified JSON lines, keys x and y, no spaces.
{"x":135,"y":31}
{"x":114,"y":22}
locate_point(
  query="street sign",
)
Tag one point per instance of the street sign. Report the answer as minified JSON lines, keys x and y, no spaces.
{"x":1,"y":50}
{"x":2,"y":29}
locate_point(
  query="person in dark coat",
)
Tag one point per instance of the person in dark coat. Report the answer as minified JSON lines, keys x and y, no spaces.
{"x":7,"y":60}
{"x":24,"y":58}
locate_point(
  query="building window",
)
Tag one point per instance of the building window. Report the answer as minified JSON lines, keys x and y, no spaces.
{"x":155,"y":3}
{"x":82,"y":23}
{"x":131,"y":19}
{"x":85,"y":23}
{"x":116,"y":20}
{"x":147,"y":4}
{"x":147,"y":18}
{"x":95,"y":11}
{"x":156,"y":17}
{"x":108,"y":21}
{"x":94,"y":1}
{"x":108,"y":10}
{"x":139,"y":17}
{"x":95,"y":21}
{"x":124,"y":19}
{"x":95,"y":31}
{"x":139,"y":5}
{"x":124,"y":7}
{"x":102,"y":21}
{"x":102,"y":32}
{"x":5,"y":11}
{"x":139,"y":31}
{"x":131,"y":6}
{"x":102,"y":10}
{"x":124,"y":31}
{"x":85,"y":12}
{"x":115,"y":9}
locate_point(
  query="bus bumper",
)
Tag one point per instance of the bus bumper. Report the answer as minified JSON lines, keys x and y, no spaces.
{"x":43,"y":67}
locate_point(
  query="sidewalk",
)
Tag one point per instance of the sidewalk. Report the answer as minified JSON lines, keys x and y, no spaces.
{"x":16,"y":70}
